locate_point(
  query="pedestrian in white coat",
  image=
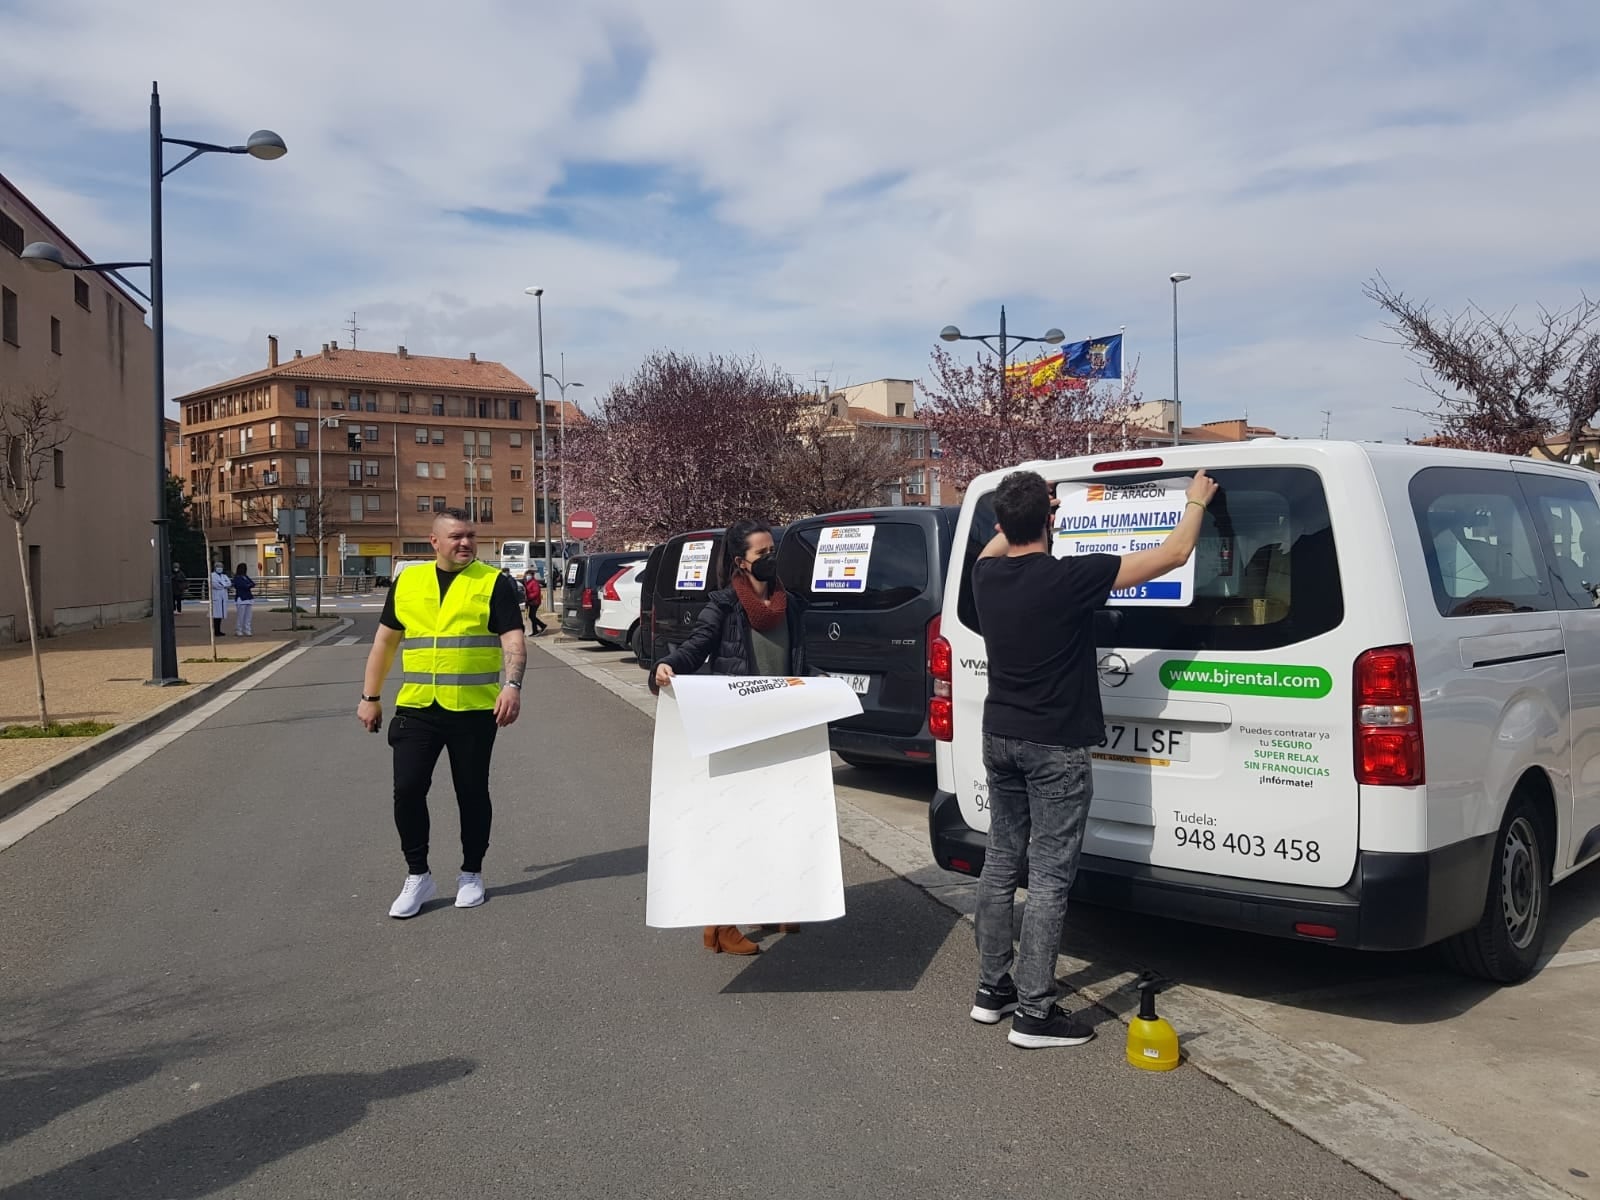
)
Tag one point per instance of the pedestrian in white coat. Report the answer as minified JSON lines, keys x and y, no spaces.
{"x":220,"y":580}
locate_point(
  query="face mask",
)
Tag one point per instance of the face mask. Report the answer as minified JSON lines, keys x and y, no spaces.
{"x":765,"y":569}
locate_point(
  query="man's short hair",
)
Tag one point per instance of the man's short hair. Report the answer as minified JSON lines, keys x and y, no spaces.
{"x":1022,"y":507}
{"x":452,"y":514}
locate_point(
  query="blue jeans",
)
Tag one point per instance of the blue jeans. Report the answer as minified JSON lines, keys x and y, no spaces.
{"x":1038,"y":804}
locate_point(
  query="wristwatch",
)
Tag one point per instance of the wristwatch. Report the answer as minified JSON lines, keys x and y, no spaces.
{"x":372,"y":699}
{"x":514,"y":683}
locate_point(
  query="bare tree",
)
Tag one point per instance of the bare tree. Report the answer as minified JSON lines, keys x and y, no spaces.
{"x":1499,"y":386}
{"x":32,"y":430}
{"x":833,"y":462}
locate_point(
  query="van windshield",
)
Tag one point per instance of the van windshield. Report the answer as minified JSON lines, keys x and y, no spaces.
{"x":896,"y":568}
{"x":1266,"y":572}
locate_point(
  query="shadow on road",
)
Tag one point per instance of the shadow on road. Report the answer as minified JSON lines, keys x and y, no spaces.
{"x":608,"y":864}
{"x":884,"y":943}
{"x":204,"y":1153}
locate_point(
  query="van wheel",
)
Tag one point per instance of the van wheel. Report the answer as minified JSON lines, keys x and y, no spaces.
{"x":635,"y":642}
{"x":1506,"y":943}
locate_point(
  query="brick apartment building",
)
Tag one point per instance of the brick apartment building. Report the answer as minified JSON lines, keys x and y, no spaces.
{"x":82,"y":338}
{"x":401,"y":435}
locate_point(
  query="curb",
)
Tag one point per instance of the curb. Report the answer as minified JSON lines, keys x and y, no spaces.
{"x":1399,"y":1147}
{"x":36,"y":783}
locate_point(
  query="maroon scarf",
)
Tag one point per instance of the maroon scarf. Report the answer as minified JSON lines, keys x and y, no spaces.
{"x":765,"y":614}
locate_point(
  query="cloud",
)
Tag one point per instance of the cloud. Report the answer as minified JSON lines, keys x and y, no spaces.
{"x":829,"y":185}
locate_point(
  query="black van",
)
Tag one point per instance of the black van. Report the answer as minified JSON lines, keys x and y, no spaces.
{"x":580,"y":598}
{"x":873,"y":628}
{"x":690,"y":569}
{"x":642,"y":640}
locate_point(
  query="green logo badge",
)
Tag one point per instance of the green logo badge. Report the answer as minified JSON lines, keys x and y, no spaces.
{"x":1246,"y":679}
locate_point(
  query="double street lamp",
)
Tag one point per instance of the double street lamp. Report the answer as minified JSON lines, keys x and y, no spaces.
{"x":544,"y":457}
{"x":561,"y":450}
{"x":1002,"y":343}
{"x":43,"y":256}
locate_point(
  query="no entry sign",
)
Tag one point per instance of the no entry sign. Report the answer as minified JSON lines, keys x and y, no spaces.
{"x":582,"y":525}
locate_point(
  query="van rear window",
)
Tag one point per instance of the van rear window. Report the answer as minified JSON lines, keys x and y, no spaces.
{"x":1266,"y":574}
{"x":897,"y":568}
{"x":703,"y":567}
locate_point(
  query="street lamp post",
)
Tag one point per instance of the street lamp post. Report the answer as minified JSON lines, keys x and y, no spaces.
{"x":43,"y":256}
{"x":1176,"y":277}
{"x":544,"y":454}
{"x":561,"y":450}
{"x":1006,"y":341}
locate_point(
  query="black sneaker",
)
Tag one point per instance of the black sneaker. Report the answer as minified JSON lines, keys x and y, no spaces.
{"x":1057,"y":1029}
{"x":994,"y":1003}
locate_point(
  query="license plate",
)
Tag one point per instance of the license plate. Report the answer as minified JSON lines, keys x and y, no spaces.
{"x":1130,"y":740}
{"x":858,"y":683}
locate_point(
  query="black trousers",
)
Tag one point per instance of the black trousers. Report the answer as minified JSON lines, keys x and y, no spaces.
{"x":418,"y":735}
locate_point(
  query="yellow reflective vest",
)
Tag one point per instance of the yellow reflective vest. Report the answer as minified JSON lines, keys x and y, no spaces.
{"x":447,"y":653}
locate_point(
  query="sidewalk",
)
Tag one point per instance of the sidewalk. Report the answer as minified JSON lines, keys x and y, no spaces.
{"x":100,"y":675}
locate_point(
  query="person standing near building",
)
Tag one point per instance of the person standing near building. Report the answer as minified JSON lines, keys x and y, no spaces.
{"x":180,"y":584}
{"x":244,"y":602}
{"x":1041,"y":717}
{"x":535,"y":593}
{"x":220,"y":580}
{"x":456,"y":628}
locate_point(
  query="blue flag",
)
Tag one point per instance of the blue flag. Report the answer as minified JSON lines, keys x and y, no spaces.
{"x":1097,"y":358}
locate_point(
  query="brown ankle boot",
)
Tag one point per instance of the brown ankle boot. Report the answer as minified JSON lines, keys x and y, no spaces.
{"x":731,"y":941}
{"x":711,"y":937}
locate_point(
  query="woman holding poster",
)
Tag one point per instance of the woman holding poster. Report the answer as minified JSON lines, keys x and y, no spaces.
{"x":751,"y":627}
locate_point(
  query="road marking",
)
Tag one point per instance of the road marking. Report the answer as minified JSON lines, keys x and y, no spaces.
{"x":67,"y":797}
{"x":347,"y":641}
{"x":1395,"y":1144}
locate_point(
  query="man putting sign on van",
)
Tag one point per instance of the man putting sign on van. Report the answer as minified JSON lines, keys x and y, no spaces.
{"x":1041,"y":717}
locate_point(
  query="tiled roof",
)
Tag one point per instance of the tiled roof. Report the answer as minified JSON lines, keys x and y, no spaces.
{"x":383,"y":368}
{"x":874,"y":417}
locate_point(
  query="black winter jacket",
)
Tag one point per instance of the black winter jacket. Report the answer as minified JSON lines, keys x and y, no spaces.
{"x":722,"y":637}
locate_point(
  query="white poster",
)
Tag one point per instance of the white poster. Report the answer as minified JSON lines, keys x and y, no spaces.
{"x":747,"y":832}
{"x":694,"y":564}
{"x":844,"y":553}
{"x":1110,"y":518}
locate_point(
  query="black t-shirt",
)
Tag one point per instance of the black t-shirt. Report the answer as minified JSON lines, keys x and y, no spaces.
{"x":1037,"y":616}
{"x":505,"y":602}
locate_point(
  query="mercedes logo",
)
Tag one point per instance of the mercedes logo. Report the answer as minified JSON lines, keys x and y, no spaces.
{"x":834,"y":632}
{"x":1114,"y":670}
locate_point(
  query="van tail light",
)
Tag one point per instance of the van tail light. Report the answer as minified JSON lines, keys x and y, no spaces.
{"x":586,"y":600}
{"x":1388,"y":718}
{"x":941,"y":663}
{"x":609,"y":592}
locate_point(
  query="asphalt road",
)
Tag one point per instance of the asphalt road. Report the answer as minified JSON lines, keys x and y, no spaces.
{"x":201,"y":995}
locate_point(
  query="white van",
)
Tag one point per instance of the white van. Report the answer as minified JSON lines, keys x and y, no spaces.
{"x":1372,"y":720}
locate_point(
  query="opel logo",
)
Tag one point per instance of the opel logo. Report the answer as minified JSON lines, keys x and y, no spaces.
{"x":834,"y":632}
{"x":1114,"y":670}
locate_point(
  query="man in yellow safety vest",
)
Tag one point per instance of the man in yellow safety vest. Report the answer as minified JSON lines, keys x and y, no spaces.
{"x":456,"y":627}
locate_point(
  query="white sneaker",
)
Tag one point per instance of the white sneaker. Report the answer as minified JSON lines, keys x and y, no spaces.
{"x":419,"y":889}
{"x":469,"y":889}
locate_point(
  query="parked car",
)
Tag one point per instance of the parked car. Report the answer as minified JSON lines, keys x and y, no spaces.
{"x":618,"y":621}
{"x":691,"y":567}
{"x":643,"y":643}
{"x":586,"y":575}
{"x":873,"y":596}
{"x":1369,"y":718}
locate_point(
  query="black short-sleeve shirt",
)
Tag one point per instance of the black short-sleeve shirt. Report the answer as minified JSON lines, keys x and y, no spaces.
{"x":1037,"y":617}
{"x":505,"y":602}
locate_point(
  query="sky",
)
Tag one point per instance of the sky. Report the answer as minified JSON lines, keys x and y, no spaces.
{"x":827,"y":185}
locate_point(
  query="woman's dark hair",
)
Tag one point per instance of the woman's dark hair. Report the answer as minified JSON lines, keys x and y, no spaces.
{"x":238,"y":568}
{"x":1022,"y":506}
{"x":737,"y":540}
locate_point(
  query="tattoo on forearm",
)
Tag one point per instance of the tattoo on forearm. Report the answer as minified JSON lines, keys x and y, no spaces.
{"x":516,"y":664}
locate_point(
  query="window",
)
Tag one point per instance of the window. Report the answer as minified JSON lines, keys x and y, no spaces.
{"x":55,"y":335}
{"x":485,"y":472}
{"x":423,"y":548}
{"x":516,"y":410}
{"x":468,"y":443}
{"x":437,"y":436}
{"x":917,"y":482}
{"x":516,"y":473}
{"x":372,"y":468}
{"x":452,"y":406}
{"x":10,"y":234}
{"x":355,"y":470}
{"x":355,"y":401}
{"x":438,"y":504}
{"x":1478,"y":543}
{"x":516,"y":437}
{"x":372,"y":504}
{"x":898,"y":570}
{"x":8,"y":316}
{"x":899,"y":410}
{"x":371,"y":404}
{"x":371,"y":435}
{"x":302,"y":471}
{"x":422,"y":470}
{"x":422,"y":436}
{"x":485,"y":443}
{"x":486,"y":510}
{"x":516,"y":504}
{"x":302,"y":434}
{"x":357,"y":509}
{"x":438,"y":470}
{"x":437,"y":407}
{"x":1567,"y":520}
{"x":402,"y":402}
{"x":302,"y":397}
{"x":423,"y":503}
{"x":272,"y":435}
{"x":80,"y":293}
{"x":60,"y":465}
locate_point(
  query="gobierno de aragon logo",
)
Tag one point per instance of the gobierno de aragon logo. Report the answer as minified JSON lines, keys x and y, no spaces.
{"x":1100,"y":492}
{"x":755,"y":686}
